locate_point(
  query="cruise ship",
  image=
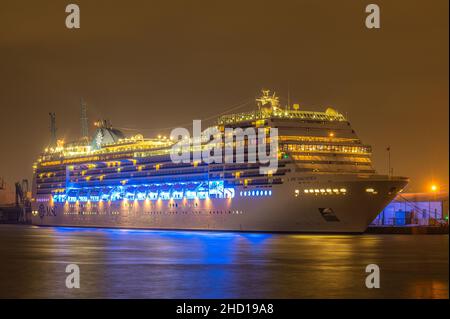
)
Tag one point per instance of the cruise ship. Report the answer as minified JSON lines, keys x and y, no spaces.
{"x":324,"y":181}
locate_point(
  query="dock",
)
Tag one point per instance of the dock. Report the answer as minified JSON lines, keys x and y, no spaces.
{"x":408,"y":230}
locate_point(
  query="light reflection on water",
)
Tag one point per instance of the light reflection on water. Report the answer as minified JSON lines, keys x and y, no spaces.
{"x":189,"y":264}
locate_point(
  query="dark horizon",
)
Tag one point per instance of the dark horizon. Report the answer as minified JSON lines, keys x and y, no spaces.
{"x":150,"y":65}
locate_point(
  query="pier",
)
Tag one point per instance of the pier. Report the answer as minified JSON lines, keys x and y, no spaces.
{"x":409,"y":230}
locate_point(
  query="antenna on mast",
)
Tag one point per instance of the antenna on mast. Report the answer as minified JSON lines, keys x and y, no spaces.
{"x":52,"y":129}
{"x":289,"y":96}
{"x":84,"y":121}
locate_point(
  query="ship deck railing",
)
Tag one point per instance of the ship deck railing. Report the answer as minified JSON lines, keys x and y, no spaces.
{"x":288,"y":114}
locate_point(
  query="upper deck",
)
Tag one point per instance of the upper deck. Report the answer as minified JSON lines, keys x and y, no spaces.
{"x":329,"y":115}
{"x":269,"y":107}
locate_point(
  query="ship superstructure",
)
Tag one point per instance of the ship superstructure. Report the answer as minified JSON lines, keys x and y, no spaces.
{"x":324,"y":182}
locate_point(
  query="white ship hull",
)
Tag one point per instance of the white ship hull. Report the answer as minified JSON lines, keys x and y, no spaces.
{"x":288,"y":209}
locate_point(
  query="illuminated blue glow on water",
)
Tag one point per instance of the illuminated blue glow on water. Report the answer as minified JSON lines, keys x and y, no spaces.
{"x":134,"y":263}
{"x":166,"y":233}
{"x":203,"y":257}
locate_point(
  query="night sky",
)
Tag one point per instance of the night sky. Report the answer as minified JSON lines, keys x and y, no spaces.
{"x":149,"y":65}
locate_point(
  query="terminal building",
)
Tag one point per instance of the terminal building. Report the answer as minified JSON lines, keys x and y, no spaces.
{"x":415,"y":209}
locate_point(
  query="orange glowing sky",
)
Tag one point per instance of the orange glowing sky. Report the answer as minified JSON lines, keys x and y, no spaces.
{"x":155,"y":64}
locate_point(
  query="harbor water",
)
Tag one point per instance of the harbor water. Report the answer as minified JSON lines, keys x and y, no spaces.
{"x":187,"y":264}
